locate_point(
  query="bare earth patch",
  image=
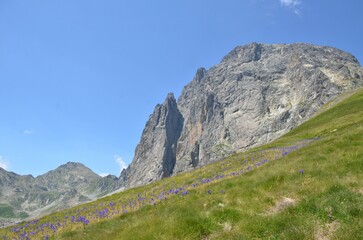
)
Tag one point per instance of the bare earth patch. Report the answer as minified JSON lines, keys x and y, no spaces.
{"x":326,"y":232}
{"x":281,"y":205}
{"x":227,"y":227}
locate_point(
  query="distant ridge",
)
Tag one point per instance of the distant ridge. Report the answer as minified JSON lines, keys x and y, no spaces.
{"x":68,"y":185}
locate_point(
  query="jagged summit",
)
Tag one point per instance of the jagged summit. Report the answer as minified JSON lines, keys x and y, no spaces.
{"x":247,"y":53}
{"x":254,"y":95}
{"x":73,"y":164}
{"x":170,"y":96}
{"x":159,"y":140}
{"x":255,"y":51}
{"x":201,"y":72}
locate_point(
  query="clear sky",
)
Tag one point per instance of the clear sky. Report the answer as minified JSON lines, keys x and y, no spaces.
{"x":79,"y":78}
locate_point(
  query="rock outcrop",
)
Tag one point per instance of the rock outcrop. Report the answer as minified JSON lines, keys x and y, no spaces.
{"x":257,"y":93}
{"x":158,"y":145}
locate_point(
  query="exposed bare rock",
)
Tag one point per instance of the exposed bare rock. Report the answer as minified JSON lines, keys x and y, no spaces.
{"x":158,"y":146}
{"x":257,"y":93}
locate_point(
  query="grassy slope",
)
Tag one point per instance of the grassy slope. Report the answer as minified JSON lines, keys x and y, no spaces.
{"x":273,"y":201}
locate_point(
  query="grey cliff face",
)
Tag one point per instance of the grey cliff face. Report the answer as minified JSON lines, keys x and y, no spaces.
{"x":257,"y":93}
{"x":158,"y":146}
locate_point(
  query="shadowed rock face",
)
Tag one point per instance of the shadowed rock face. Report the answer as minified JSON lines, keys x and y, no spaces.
{"x":158,"y":145}
{"x":257,"y":93}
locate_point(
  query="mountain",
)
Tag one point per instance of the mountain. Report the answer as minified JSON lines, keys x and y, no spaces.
{"x":66,"y":186}
{"x":255,"y":94}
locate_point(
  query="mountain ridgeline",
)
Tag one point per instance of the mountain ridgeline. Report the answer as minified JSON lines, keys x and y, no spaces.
{"x":255,"y":94}
{"x":66,"y":186}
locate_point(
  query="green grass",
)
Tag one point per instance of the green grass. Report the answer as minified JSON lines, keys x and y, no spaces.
{"x":7,"y":211}
{"x":326,"y":201}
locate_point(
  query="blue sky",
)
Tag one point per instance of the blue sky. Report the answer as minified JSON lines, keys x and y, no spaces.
{"x":79,"y":79}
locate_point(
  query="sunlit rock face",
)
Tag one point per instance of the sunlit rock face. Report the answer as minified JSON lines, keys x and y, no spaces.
{"x":254,"y":95}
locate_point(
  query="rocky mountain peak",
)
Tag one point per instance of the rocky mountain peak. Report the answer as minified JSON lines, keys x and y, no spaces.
{"x":170,"y":97}
{"x":244,"y":54}
{"x":255,"y":94}
{"x":159,"y":139}
{"x":201,"y":72}
{"x":72,"y":166}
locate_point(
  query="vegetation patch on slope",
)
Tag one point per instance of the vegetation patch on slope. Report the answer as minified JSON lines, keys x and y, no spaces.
{"x":7,"y":211}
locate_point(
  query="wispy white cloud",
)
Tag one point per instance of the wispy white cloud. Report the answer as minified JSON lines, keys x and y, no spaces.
{"x":292,"y":4}
{"x":121,"y":163}
{"x":297,"y":12}
{"x":28,"y":132}
{"x":3,"y":163}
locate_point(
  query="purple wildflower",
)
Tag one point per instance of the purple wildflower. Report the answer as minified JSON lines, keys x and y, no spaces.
{"x":54,"y":228}
{"x":83,"y":220}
